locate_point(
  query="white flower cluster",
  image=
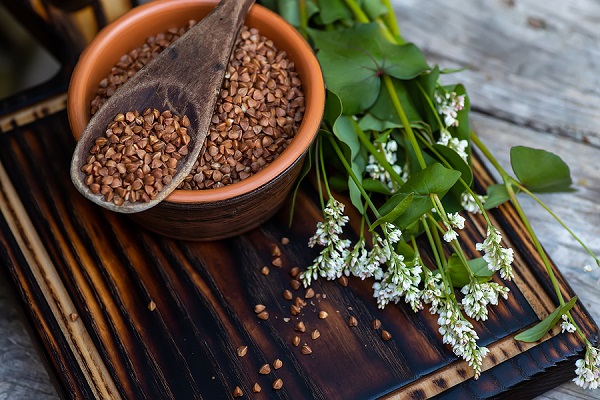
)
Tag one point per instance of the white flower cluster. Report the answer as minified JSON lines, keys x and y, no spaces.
{"x":469,"y":204}
{"x":459,"y":333}
{"x":588,"y":369}
{"x":478,"y":295}
{"x":455,"y":221}
{"x":497,"y":257}
{"x":331,"y":261}
{"x":459,"y":146}
{"x":566,"y":325}
{"x":376,"y":170}
{"x":448,"y":106}
{"x":399,"y":279}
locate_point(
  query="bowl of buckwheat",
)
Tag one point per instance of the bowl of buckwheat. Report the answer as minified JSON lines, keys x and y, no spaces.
{"x":267,"y":115}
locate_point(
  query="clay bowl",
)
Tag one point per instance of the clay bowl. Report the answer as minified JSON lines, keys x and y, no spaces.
{"x":229,"y":210}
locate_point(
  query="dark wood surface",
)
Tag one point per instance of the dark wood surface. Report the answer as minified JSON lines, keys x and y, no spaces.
{"x":67,"y":256}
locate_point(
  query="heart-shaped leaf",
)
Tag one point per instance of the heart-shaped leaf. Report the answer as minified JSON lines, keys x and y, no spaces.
{"x":540,"y":170}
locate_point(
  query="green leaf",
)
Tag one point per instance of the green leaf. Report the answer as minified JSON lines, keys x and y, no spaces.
{"x":456,"y":162}
{"x":289,"y":10}
{"x":333,"y":108}
{"x":375,"y":186}
{"x":480,"y":269}
{"x":457,"y":271}
{"x":373,"y":8}
{"x":540,"y":329}
{"x":460,"y":275}
{"x":371,"y":123}
{"x":334,"y":10}
{"x":397,"y":205}
{"x":345,"y":129}
{"x":384,"y":110}
{"x":433,"y":179}
{"x":539,"y":170}
{"x":306,"y":166}
{"x":354,"y":59}
{"x":496,"y":195}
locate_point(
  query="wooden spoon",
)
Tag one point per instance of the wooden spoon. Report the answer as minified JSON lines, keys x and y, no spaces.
{"x":186,"y":79}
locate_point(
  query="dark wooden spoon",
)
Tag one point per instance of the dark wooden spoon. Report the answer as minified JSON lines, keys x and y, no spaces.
{"x":186,"y":79}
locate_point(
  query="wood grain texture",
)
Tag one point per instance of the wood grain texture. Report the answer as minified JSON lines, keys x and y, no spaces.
{"x":110,"y":270}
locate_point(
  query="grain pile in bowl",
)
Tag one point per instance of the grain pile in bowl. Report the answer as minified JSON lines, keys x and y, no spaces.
{"x":259,"y":110}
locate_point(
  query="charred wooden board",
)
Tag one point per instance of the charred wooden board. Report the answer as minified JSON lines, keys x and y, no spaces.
{"x":67,"y":256}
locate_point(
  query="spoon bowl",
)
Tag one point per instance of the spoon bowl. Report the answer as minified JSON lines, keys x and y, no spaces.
{"x":167,"y":84}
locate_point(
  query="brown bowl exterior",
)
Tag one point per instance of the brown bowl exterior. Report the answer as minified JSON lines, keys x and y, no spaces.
{"x":233,"y":209}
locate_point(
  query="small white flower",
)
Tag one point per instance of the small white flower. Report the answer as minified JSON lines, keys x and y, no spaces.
{"x":497,"y":257}
{"x":448,"y":106}
{"x":469,"y":204}
{"x":459,"y":146}
{"x":479,"y":295}
{"x":456,"y":220}
{"x":450,"y":235}
{"x":587,"y":268}
{"x":433,"y":291}
{"x":376,"y":170}
{"x":588,"y":369}
{"x":331,"y":262}
{"x":399,"y":279}
{"x":566,"y":325}
{"x":457,"y":332}
{"x":394,"y":235}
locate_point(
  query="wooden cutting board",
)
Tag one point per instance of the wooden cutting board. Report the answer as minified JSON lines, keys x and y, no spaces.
{"x":67,"y":256}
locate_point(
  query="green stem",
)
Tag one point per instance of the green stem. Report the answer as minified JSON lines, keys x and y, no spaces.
{"x":340,"y":155}
{"x":387,"y":80}
{"x":303,"y":18}
{"x":508,"y":184}
{"x":357,"y":11}
{"x":486,"y":152}
{"x":436,"y":254}
{"x":318,"y":150}
{"x":461,"y":180}
{"x":545,"y":207}
{"x":391,"y":22}
{"x":322,"y":162}
{"x":536,"y":242}
{"x":386,"y":32}
{"x":378,"y":156}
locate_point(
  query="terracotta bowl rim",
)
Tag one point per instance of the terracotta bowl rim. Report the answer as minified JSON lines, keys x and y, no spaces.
{"x":313,"y":86}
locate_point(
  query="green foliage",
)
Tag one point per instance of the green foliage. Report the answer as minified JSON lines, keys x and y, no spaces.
{"x":497,"y":194}
{"x":539,"y":170}
{"x":459,"y":274}
{"x":435,"y":179}
{"x":354,"y":59}
{"x":540,"y":329}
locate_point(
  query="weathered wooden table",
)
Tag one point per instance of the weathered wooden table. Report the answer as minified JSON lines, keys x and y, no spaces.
{"x":533,"y":74}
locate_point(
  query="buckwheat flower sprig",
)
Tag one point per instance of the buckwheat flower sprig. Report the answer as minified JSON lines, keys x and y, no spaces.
{"x":330,"y":263}
{"x":478,"y":295}
{"x":566,"y":325}
{"x":458,"y":332}
{"x":497,"y":257}
{"x":448,"y":105}
{"x":454,"y":221}
{"x":365,"y":264}
{"x":378,"y":172}
{"x":467,"y":201}
{"x":588,"y":369}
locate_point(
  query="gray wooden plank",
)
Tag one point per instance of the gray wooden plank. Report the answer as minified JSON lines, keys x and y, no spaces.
{"x":531,"y":62}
